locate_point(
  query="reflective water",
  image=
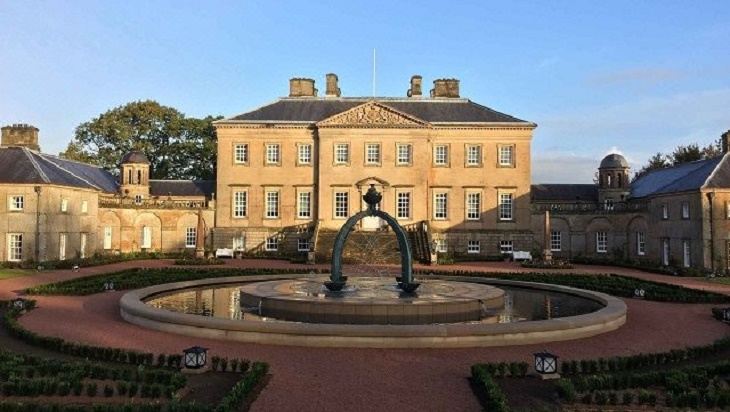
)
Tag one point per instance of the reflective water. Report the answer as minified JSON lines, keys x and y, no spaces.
{"x":521,"y":304}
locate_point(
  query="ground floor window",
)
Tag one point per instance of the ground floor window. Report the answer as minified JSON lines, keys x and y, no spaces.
{"x":556,"y":241}
{"x":239,"y":242}
{"x":403,"y":206}
{"x":303,"y":245}
{"x":15,"y":247}
{"x":107,"y":237}
{"x":272,"y":244}
{"x":506,"y":247}
{"x":686,"y":253}
{"x":640,"y":243}
{"x":62,"y":246}
{"x":665,"y":252}
{"x":601,"y":242}
{"x":440,"y":206}
{"x":505,"y":206}
{"x":473,"y":206}
{"x":441,"y":246}
{"x":82,"y":248}
{"x":191,"y":234}
{"x":473,"y":246}
{"x":146,"y":238}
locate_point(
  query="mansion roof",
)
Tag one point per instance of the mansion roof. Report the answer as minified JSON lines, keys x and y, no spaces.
{"x":313,"y":110}
{"x":709,"y":173}
{"x":182,"y":187}
{"x":564,"y":193}
{"x":23,"y":166}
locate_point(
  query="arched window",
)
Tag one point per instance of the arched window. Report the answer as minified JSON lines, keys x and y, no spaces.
{"x":139,"y":177}
{"x":619,"y":180}
{"x":129,"y":177}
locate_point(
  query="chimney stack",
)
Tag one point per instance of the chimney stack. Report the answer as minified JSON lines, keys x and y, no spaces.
{"x":302,"y":87}
{"x":725,"y":142}
{"x":448,"y":88}
{"x":332,"y":89}
{"x":415,"y":90}
{"x":20,"y":135}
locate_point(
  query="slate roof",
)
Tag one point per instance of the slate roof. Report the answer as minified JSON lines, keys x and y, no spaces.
{"x":23,"y":166}
{"x":683,"y":178}
{"x":135,"y":156}
{"x":312,"y":110}
{"x":564,"y":193}
{"x":182,"y":187}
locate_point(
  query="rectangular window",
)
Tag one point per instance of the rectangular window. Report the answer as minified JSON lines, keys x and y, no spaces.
{"x":16,"y":203}
{"x":146,"y":237}
{"x":473,"y":155}
{"x":239,"y":243}
{"x":240,"y":153}
{"x":107,"y":237}
{"x":441,"y":155}
{"x":272,"y":204}
{"x":191,"y":234}
{"x":440,"y":206}
{"x":403,"y":205}
{"x":665,"y":212}
{"x":665,"y":252}
{"x":372,"y":154}
{"x":304,"y":154}
{"x":556,"y":241}
{"x":15,"y":247}
{"x":640,"y":243}
{"x":304,"y":205}
{"x":685,"y":210}
{"x":273,"y":154}
{"x":473,"y":206}
{"x":473,"y":246}
{"x":272,"y":244}
{"x":84,"y":206}
{"x":506,"y":247}
{"x":608,"y":204}
{"x":404,"y":154}
{"x":342,"y":153}
{"x":686,"y":253}
{"x":506,"y":206}
{"x":601,"y":242}
{"x":138,"y":199}
{"x":342,"y":206}
{"x":441,"y":246}
{"x":82,"y":247}
{"x":64,"y":205}
{"x":506,"y":155}
{"x":303,"y":245}
{"x":240,"y":204}
{"x":62,"y":246}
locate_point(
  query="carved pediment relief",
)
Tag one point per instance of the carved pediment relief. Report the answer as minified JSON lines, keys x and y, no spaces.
{"x":372,"y":114}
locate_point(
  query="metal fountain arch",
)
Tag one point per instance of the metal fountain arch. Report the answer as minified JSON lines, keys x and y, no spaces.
{"x":372,"y":198}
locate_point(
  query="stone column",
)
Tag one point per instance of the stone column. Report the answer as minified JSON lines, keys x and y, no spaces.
{"x":200,"y":236}
{"x":547,"y":255}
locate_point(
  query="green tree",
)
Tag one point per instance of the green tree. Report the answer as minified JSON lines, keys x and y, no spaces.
{"x":178,"y":147}
{"x":685,"y":154}
{"x":658,"y":161}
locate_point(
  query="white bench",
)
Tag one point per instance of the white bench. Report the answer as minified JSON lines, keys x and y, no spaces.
{"x":224,"y":252}
{"x":521,"y":255}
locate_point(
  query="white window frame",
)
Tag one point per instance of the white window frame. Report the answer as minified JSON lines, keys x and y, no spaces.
{"x":84,"y":206}
{"x":238,"y":243}
{"x":506,"y":154}
{"x":191,"y":236}
{"x":441,"y":155}
{"x":108,"y":232}
{"x":506,"y":247}
{"x":473,"y":247}
{"x":15,"y":247}
{"x":273,"y":201}
{"x":473,"y":155}
{"x":666,"y":251}
{"x":304,"y":154}
{"x":601,"y":242}
{"x":341,"y":205}
{"x":373,"y":154}
{"x":62,"y":244}
{"x":473,"y":205}
{"x":403,"y":205}
{"x":240,"y":153}
{"x":608,"y":204}
{"x":271,"y":244}
{"x":686,"y":253}
{"x":685,"y":210}
{"x":640,"y":243}
{"x":304,"y":205}
{"x":64,"y":205}
{"x":137,"y":200}
{"x":341,"y":153}
{"x":556,"y":241}
{"x":16,"y":203}
{"x":665,"y":211}
{"x":146,"y":242}
{"x":82,"y":245}
{"x":240,"y":204}
{"x":273,"y":154}
{"x":303,"y":245}
{"x":404,"y":154}
{"x":440,"y":206}
{"x":506,"y":206}
{"x":442,"y":246}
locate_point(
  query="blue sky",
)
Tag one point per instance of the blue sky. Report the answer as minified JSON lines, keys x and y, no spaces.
{"x":633,"y":76}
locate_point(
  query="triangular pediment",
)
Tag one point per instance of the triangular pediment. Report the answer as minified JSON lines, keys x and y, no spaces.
{"x":372,"y":114}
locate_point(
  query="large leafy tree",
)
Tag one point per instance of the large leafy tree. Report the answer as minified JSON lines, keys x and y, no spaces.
{"x":178,"y":147}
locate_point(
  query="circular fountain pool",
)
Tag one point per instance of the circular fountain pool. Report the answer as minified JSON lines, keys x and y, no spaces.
{"x":371,"y":312}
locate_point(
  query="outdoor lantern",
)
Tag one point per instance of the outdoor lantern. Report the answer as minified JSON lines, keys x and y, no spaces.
{"x":109,"y":286}
{"x":39,"y":268}
{"x":195,"y":357}
{"x":726,"y":314}
{"x":639,"y":293}
{"x":546,"y":363}
{"x":19,"y":304}
{"x":75,"y":268}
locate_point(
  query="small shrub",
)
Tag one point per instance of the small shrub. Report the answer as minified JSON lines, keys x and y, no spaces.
{"x":91,"y":389}
{"x":108,"y":391}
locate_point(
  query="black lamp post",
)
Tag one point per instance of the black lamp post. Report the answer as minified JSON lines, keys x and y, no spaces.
{"x":195,"y":357}
{"x":546,"y":363}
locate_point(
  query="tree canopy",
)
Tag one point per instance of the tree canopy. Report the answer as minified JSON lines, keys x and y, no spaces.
{"x":681,"y":154}
{"x":177,"y":147}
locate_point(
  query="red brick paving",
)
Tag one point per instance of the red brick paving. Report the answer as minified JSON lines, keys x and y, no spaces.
{"x":330,"y":379}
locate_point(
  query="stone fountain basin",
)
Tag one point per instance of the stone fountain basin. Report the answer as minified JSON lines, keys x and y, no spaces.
{"x":454,"y":335}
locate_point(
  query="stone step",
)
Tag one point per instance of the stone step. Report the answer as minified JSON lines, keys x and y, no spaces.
{"x":361,"y":247}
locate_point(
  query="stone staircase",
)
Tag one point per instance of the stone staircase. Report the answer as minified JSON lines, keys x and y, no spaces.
{"x":361,"y":247}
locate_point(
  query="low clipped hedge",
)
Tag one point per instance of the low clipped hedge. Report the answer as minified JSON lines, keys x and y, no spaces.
{"x":241,"y":390}
{"x":198,"y":261}
{"x":494,"y":399}
{"x":646,"y":266}
{"x":97,"y":259}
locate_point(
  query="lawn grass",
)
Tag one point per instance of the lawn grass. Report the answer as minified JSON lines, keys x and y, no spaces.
{"x":14,"y":273}
{"x":723,"y":280}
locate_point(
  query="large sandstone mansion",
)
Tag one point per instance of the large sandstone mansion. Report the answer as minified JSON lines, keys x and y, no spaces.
{"x":456,"y":174}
